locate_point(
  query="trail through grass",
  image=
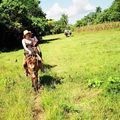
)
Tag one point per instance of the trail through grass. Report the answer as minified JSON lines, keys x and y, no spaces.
{"x":38,"y":111}
{"x":82,"y":79}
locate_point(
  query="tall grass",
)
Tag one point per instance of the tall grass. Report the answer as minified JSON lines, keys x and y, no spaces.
{"x":88,"y":63}
{"x":98,"y":27}
{"x":82,"y":79}
{"x":15,"y":88}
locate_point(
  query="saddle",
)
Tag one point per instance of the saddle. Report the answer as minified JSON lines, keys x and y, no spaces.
{"x":35,"y":53}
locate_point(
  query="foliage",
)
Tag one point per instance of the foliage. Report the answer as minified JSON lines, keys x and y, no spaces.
{"x":98,"y":10}
{"x":16,"y":16}
{"x":89,"y":19}
{"x":56,"y":27}
{"x":34,"y":9}
{"x":64,"y":22}
{"x":113,"y":85}
{"x":60,"y":25}
{"x":92,"y":83}
{"x":39,"y":26}
{"x":108,"y":15}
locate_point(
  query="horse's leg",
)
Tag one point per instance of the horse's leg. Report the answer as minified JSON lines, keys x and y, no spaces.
{"x":41,"y":66}
{"x":25,"y":66}
{"x":35,"y":84}
{"x":26,"y":70}
{"x":32,"y":83}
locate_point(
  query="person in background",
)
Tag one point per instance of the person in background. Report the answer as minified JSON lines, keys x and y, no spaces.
{"x":67,"y":33}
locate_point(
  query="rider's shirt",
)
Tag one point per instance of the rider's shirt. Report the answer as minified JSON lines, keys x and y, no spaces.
{"x":27,"y":44}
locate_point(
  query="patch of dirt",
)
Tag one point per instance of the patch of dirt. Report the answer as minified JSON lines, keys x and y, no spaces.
{"x":38,"y":111}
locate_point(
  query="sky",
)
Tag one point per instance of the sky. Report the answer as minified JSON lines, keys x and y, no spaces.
{"x":75,"y":9}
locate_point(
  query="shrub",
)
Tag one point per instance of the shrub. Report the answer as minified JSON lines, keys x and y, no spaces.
{"x":113,"y":85}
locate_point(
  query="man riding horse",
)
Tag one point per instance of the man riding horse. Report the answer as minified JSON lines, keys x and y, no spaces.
{"x":33,"y":57}
{"x":67,"y":33}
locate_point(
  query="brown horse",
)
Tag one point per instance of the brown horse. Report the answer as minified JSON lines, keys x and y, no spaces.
{"x":33,"y":66}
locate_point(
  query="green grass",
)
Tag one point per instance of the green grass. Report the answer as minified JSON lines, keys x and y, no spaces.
{"x":15,"y":102}
{"x":82,"y":80}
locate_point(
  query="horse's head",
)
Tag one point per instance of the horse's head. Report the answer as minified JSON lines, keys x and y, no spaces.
{"x":32,"y":64}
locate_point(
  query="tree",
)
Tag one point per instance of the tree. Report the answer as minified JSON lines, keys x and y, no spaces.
{"x":60,"y":25}
{"x":102,"y":17}
{"x":115,"y":11}
{"x":64,"y":21}
{"x":115,"y":6}
{"x":111,"y":14}
{"x":33,"y":7}
{"x":98,"y":9}
{"x":108,"y":15}
{"x":18,"y":15}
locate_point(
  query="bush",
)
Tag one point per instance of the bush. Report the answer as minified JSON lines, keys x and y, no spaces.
{"x":113,"y":85}
{"x":92,"y":83}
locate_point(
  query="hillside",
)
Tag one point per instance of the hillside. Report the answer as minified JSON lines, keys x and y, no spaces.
{"x":82,"y":79}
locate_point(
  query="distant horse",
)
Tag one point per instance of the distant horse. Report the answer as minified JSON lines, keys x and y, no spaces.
{"x":33,"y":66}
{"x":67,"y":33}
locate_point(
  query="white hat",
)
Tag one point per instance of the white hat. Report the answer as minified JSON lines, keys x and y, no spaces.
{"x":26,"y":32}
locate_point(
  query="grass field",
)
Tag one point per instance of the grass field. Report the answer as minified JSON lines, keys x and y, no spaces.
{"x":82,"y":79}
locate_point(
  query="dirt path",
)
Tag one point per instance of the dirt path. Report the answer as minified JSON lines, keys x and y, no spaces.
{"x":38,"y":112}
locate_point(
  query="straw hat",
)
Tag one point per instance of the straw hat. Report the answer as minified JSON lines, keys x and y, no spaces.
{"x":25,"y":32}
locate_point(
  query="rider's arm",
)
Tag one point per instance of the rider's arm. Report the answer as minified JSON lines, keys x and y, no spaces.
{"x":38,"y":47}
{"x":35,"y":38}
{"x":24,"y":46}
{"x":35,"y":41}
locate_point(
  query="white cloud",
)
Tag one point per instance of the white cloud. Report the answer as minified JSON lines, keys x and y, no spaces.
{"x":73,"y":11}
{"x":54,"y":11}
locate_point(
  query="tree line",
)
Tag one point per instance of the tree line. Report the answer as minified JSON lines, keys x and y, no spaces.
{"x":109,"y":15}
{"x":18,"y":15}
